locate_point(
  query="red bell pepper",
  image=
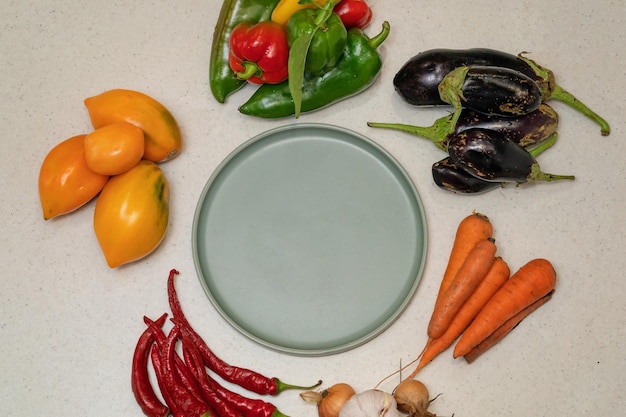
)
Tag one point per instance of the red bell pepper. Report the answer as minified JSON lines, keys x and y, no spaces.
{"x":259,"y":53}
{"x":354,"y":13}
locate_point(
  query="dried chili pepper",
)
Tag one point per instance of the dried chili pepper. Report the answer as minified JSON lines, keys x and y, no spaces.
{"x":157,"y":364}
{"x":259,"y":53}
{"x":246,"y":378}
{"x":144,"y":393}
{"x":185,"y":400}
{"x":182,"y":373}
{"x":248,"y":407}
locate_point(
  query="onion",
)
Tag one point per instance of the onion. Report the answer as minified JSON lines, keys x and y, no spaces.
{"x":412,"y":397}
{"x":331,"y":400}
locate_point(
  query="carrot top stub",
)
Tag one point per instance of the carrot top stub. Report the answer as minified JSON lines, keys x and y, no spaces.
{"x":530,"y":283}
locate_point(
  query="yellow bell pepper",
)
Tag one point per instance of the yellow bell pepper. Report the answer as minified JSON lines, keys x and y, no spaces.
{"x":285,"y":8}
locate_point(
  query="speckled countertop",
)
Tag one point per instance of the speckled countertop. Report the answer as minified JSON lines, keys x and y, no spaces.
{"x":68,"y":323}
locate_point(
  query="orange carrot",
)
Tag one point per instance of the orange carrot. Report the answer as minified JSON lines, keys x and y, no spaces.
{"x":495,"y":278}
{"x":505,"y":329}
{"x":470,"y":231}
{"x":531,"y":282}
{"x":467,"y":279}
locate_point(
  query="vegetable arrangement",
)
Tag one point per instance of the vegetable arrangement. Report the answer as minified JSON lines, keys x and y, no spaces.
{"x":479,"y":301}
{"x":185,"y":384}
{"x":302,"y":54}
{"x":119,"y":161}
{"x":500,"y":120}
{"x":340,"y":400}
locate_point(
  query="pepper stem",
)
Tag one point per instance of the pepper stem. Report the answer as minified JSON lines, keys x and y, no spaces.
{"x":281,"y":386}
{"x":377,"y":40}
{"x":250,"y":69}
{"x":437,"y":133}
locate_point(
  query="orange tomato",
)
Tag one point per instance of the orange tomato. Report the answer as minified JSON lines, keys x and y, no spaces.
{"x":114,"y":149}
{"x":131,"y":215}
{"x":162,"y":135}
{"x":65,"y":181}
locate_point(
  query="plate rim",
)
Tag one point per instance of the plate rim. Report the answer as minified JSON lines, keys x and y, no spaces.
{"x":304,"y":351}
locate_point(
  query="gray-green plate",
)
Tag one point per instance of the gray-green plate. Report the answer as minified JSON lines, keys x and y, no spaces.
{"x":309,"y":239}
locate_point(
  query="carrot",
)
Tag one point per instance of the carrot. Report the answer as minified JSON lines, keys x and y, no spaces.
{"x":531,"y":282}
{"x":495,"y":278}
{"x":467,"y":279}
{"x":505,"y":329}
{"x":470,"y":231}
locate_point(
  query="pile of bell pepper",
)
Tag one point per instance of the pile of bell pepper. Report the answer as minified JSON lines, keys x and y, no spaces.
{"x":302,"y":54}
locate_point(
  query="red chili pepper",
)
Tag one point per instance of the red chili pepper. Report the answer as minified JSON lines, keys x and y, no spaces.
{"x":182,"y":374}
{"x":144,"y":393}
{"x":246,"y":378}
{"x":183,"y":402}
{"x":259,"y":53}
{"x":354,"y":13}
{"x":248,"y":407}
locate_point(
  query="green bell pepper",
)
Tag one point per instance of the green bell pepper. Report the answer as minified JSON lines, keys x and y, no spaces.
{"x":328,"y":42}
{"x":355,"y":71}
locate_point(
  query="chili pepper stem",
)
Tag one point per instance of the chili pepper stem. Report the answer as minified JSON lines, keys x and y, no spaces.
{"x":537,"y":175}
{"x":281,"y":386}
{"x":436,"y":133}
{"x":377,"y":40}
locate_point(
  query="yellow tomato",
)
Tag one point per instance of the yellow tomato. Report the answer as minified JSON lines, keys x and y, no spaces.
{"x":131,"y":215}
{"x":65,"y":181}
{"x":162,"y":135}
{"x":114,"y":149}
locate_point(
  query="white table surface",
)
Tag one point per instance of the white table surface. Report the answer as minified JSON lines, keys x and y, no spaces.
{"x":69,"y":324}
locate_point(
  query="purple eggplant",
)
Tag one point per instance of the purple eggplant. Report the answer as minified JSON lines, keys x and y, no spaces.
{"x":418,"y":79}
{"x":526,"y":130}
{"x":449,"y":176}
{"x":491,"y":156}
{"x":496,"y":91}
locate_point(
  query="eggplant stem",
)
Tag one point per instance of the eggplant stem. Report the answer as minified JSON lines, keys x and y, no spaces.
{"x":451,"y":92}
{"x":566,"y":97}
{"x":437,"y":133}
{"x":537,"y":175}
{"x":544,"y":146}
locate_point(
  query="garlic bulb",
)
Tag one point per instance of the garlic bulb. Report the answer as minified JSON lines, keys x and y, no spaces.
{"x":370,"y":403}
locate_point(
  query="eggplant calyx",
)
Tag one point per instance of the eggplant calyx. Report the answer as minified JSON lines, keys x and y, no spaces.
{"x":537,"y":175}
{"x":551,"y":90}
{"x":451,"y":92}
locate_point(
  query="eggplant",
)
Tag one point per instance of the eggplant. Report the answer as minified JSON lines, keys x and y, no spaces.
{"x":526,"y":130}
{"x":449,"y":176}
{"x":491,"y":156}
{"x":495,"y":91}
{"x":418,"y":79}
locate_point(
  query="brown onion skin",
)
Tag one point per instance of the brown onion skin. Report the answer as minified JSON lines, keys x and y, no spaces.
{"x":333,"y":398}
